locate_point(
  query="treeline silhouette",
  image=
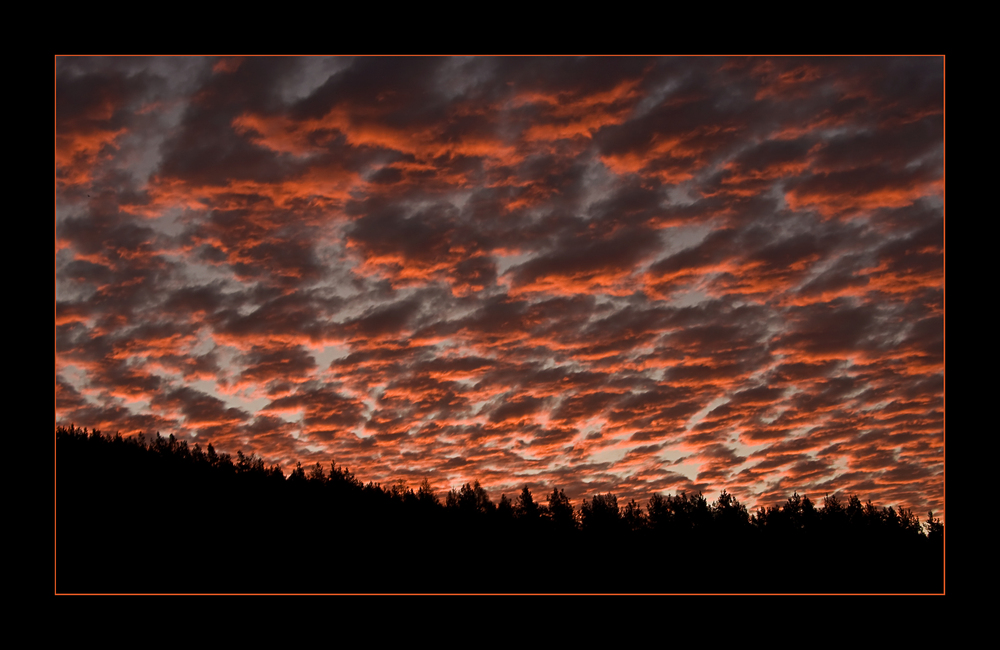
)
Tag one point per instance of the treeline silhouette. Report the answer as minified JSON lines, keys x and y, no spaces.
{"x":157,"y":515}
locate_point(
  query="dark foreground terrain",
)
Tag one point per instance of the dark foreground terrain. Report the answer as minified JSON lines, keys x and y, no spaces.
{"x":139,"y":516}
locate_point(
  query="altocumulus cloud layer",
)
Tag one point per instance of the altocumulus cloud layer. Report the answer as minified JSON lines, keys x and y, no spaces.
{"x":627,"y":274}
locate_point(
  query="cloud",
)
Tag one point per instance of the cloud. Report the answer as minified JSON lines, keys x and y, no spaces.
{"x":628,"y":274}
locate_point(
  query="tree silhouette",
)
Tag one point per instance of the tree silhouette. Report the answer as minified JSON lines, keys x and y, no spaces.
{"x":316,"y":475}
{"x":471,"y":501}
{"x":561,"y":511}
{"x":935,"y":529}
{"x":601,"y":515}
{"x":633,"y":517}
{"x":109,"y":496}
{"x":425,"y":494}
{"x":505,"y":510}
{"x":526,"y":508}
{"x":729,"y":515}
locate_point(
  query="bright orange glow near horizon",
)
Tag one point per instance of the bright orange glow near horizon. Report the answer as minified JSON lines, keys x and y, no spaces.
{"x":626,"y":274}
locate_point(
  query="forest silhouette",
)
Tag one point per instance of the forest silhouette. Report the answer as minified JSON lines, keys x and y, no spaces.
{"x":155,"y":515}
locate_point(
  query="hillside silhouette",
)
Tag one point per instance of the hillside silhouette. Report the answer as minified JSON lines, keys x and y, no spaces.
{"x":138,"y":515}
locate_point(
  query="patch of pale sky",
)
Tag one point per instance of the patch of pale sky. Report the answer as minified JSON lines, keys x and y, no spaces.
{"x":680,"y":238}
{"x":934,"y":201}
{"x":742,"y":449}
{"x":64,"y":209}
{"x":683,"y":194}
{"x":598,"y":185}
{"x":171,"y":222}
{"x":292,"y":417}
{"x":506,"y":262}
{"x":689,"y":298}
{"x":311,"y":73}
{"x":201,"y":273}
{"x":689,"y":470}
{"x":611,"y":454}
{"x":454,"y":78}
{"x":204,"y":345}
{"x":671,"y":453}
{"x":139,"y":152}
{"x":181,"y":72}
{"x":700,"y":415}
{"x":815,"y":270}
{"x":378,"y":162}
{"x":361,"y":432}
{"x":370,"y":401}
{"x":934,"y":155}
{"x":238,"y":399}
{"x":656,"y":96}
{"x":869,"y":408}
{"x":73,"y":374}
{"x":68,"y":291}
{"x":459,"y":199}
{"x":328,"y":353}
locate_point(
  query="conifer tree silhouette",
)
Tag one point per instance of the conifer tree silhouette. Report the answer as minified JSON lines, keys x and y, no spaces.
{"x":112,"y":493}
{"x":526,"y":507}
{"x":561,"y":511}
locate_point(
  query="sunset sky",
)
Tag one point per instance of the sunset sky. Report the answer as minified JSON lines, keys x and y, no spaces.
{"x":637,"y":275}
